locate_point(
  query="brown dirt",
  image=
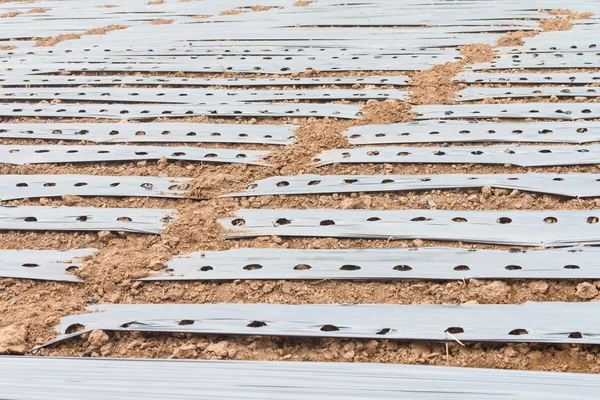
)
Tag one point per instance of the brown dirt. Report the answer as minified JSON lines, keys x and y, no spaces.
{"x":10,"y":14}
{"x":302,"y":3}
{"x":104,"y":29}
{"x":263,"y":8}
{"x":232,"y":12}
{"x":39,"y":10}
{"x":571,"y":14}
{"x":8,"y":47}
{"x":514,"y":38}
{"x":53,"y":40}
{"x":155,"y":2}
{"x":556,"y":24}
{"x":435,"y":85}
{"x":161,"y":21}
{"x":108,"y":6}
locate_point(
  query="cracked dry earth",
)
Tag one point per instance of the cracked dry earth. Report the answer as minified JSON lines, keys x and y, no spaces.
{"x":30,"y":309}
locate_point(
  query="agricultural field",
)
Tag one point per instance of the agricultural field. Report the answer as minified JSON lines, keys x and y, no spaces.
{"x":282,"y":187}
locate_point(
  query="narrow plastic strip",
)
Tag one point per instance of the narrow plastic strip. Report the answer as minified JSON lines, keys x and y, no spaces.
{"x":47,"y":265}
{"x":428,"y":263}
{"x":550,"y":228}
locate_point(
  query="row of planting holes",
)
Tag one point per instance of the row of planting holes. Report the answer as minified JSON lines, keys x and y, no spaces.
{"x":82,"y":218}
{"x":559,"y":111}
{"x":332,"y":328}
{"x":329,"y":222}
{"x":138,"y":133}
{"x":466,"y":132}
{"x":148,"y":186}
{"x":547,"y":78}
{"x":137,"y":153}
{"x":189,"y":112}
{"x":348,"y":267}
{"x":69,"y":269}
{"x":562,"y":91}
{"x":356,"y":94}
{"x":208,"y":80}
{"x":557,"y":55}
{"x":352,"y":181}
{"x":374,"y":153}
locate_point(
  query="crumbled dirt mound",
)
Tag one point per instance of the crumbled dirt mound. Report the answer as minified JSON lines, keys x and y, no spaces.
{"x":435,"y":85}
{"x":10,"y":14}
{"x":104,"y":29}
{"x":162,"y":21}
{"x":232,"y":12}
{"x":302,"y":3}
{"x":571,"y":14}
{"x":556,"y":24}
{"x":53,"y":40}
{"x":155,"y":2}
{"x":514,"y":38}
{"x":263,"y":8}
{"x":8,"y":47}
{"x":39,"y":10}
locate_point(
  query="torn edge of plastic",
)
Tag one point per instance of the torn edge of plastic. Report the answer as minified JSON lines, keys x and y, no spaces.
{"x":48,"y":265}
{"x":550,"y":228}
{"x":90,"y":219}
{"x":551,"y":322}
{"x":570,"y":184}
{"x":425,"y":263}
{"x":13,"y":187}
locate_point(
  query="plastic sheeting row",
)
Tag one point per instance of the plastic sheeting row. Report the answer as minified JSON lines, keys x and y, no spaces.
{"x":525,"y":156}
{"x":127,"y":379}
{"x":50,"y":265}
{"x":436,"y":263}
{"x":549,"y":228}
{"x":159,"y":132}
{"x":571,"y":184}
{"x":151,"y":111}
{"x":32,"y":154}
{"x":13,"y":187}
{"x":551,"y":322}
{"x":135,"y":220}
{"x":441,"y":131}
